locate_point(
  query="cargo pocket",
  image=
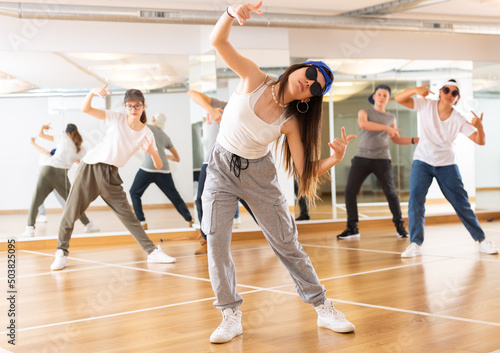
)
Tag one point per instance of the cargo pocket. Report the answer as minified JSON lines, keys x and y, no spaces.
{"x":209,"y":212}
{"x":285,"y":220}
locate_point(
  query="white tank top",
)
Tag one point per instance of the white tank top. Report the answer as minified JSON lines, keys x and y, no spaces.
{"x":242,"y":132}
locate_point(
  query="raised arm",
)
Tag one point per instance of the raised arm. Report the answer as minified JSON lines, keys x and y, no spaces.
{"x":371,"y":126}
{"x":42,"y":133}
{"x":174,"y":157}
{"x":249,"y":72}
{"x":291,"y":130}
{"x":38,"y":147}
{"x":86,"y":105}
{"x":205,"y":102}
{"x":479,"y":136}
{"x":404,"y":98}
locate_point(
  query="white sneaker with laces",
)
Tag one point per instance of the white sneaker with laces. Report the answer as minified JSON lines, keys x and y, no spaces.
{"x":159,"y":257}
{"x":41,"y":218}
{"x":488,"y":247}
{"x":412,"y":250}
{"x":229,"y":328}
{"x":29,"y":232}
{"x":331,"y":318}
{"x":90,"y":228}
{"x":60,"y":261}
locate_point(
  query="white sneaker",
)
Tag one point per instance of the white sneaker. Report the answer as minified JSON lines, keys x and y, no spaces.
{"x":29,"y":232}
{"x":60,"y":261}
{"x":41,"y":218}
{"x":236,"y":221}
{"x":331,"y":318}
{"x":90,"y":228}
{"x":159,"y":257}
{"x":229,"y":328}
{"x":488,"y":247}
{"x":412,"y":250}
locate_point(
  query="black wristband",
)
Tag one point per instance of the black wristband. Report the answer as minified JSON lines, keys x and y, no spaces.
{"x":227,"y":11}
{"x":412,"y":142}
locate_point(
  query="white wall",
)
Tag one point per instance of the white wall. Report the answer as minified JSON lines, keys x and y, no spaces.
{"x":488,"y":156}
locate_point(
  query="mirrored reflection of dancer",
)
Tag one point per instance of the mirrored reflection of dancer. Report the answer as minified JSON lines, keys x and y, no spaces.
{"x":98,"y":172}
{"x":54,"y":175}
{"x":44,"y":157}
{"x":241,"y":166}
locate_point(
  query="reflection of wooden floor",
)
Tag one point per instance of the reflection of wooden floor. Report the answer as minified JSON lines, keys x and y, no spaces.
{"x":168,"y":219}
{"x":110,"y":300}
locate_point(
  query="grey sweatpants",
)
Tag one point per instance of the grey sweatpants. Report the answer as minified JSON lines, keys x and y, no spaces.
{"x":49,"y":179}
{"x":258,"y":186}
{"x":91,"y":181}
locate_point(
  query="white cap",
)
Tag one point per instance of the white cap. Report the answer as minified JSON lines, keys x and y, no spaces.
{"x":449,"y":82}
{"x":160,"y":120}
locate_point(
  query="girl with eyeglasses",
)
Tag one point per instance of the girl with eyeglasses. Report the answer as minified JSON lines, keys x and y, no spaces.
{"x":435,"y":157}
{"x":241,"y":166}
{"x":54,"y":174}
{"x":98,"y":172}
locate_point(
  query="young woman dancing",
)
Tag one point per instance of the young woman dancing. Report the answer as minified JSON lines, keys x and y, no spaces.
{"x":241,"y":167}
{"x":54,"y":174}
{"x":98,"y":172}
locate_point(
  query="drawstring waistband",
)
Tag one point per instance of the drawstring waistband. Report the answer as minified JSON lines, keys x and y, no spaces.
{"x":235,"y":165}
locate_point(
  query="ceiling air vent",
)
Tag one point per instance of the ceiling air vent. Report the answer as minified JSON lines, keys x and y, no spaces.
{"x":160,"y":14}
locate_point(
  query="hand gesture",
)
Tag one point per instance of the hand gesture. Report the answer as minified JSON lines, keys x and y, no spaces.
{"x":242,"y":12}
{"x":339,"y":145}
{"x":393,"y":132}
{"x":147,"y":146}
{"x":423,"y":91}
{"x":477,"y":122}
{"x":46,"y":127}
{"x":102,"y":92}
{"x":214,"y":115}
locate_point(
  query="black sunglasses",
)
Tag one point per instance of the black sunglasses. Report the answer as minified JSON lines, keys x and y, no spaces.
{"x":454,"y":93}
{"x":312,"y":74}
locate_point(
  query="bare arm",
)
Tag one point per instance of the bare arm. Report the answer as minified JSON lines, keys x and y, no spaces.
{"x":43,"y":135}
{"x":86,"y":105}
{"x":291,"y":130}
{"x":250,"y":74}
{"x":149,"y":148}
{"x":205,"y":102}
{"x":38,"y":147}
{"x":404,"y":98}
{"x":371,"y":126}
{"x":479,"y":136}
{"x":401,"y":140}
{"x":174,"y":157}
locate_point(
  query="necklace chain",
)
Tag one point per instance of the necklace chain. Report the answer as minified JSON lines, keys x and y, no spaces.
{"x":275,"y":100}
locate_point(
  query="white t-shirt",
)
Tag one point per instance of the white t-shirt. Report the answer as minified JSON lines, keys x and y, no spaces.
{"x":120,"y":142}
{"x":65,"y":154}
{"x":437,"y":138}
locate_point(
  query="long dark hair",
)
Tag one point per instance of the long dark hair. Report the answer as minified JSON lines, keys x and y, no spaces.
{"x":310,"y":133}
{"x":75,"y":136}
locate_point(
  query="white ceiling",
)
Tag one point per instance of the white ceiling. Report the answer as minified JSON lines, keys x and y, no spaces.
{"x":35,"y":70}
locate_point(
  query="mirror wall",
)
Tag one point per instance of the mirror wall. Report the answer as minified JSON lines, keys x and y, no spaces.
{"x":66,"y":78}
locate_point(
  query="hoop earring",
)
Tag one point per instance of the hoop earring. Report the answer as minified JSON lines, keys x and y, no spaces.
{"x":300,"y":111}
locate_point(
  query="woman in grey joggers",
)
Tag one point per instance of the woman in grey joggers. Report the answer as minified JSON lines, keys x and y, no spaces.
{"x":241,"y":167}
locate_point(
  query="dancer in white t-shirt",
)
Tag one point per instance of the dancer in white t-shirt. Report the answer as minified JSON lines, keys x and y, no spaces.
{"x":434,"y":157}
{"x":54,"y":174}
{"x":98,"y":172}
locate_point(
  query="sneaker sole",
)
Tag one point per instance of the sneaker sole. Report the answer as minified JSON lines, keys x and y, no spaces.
{"x":219,"y":341}
{"x":409,"y":256}
{"x":162,"y":262}
{"x":339,"y":330}
{"x":402,"y":236}
{"x":354,"y":236}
